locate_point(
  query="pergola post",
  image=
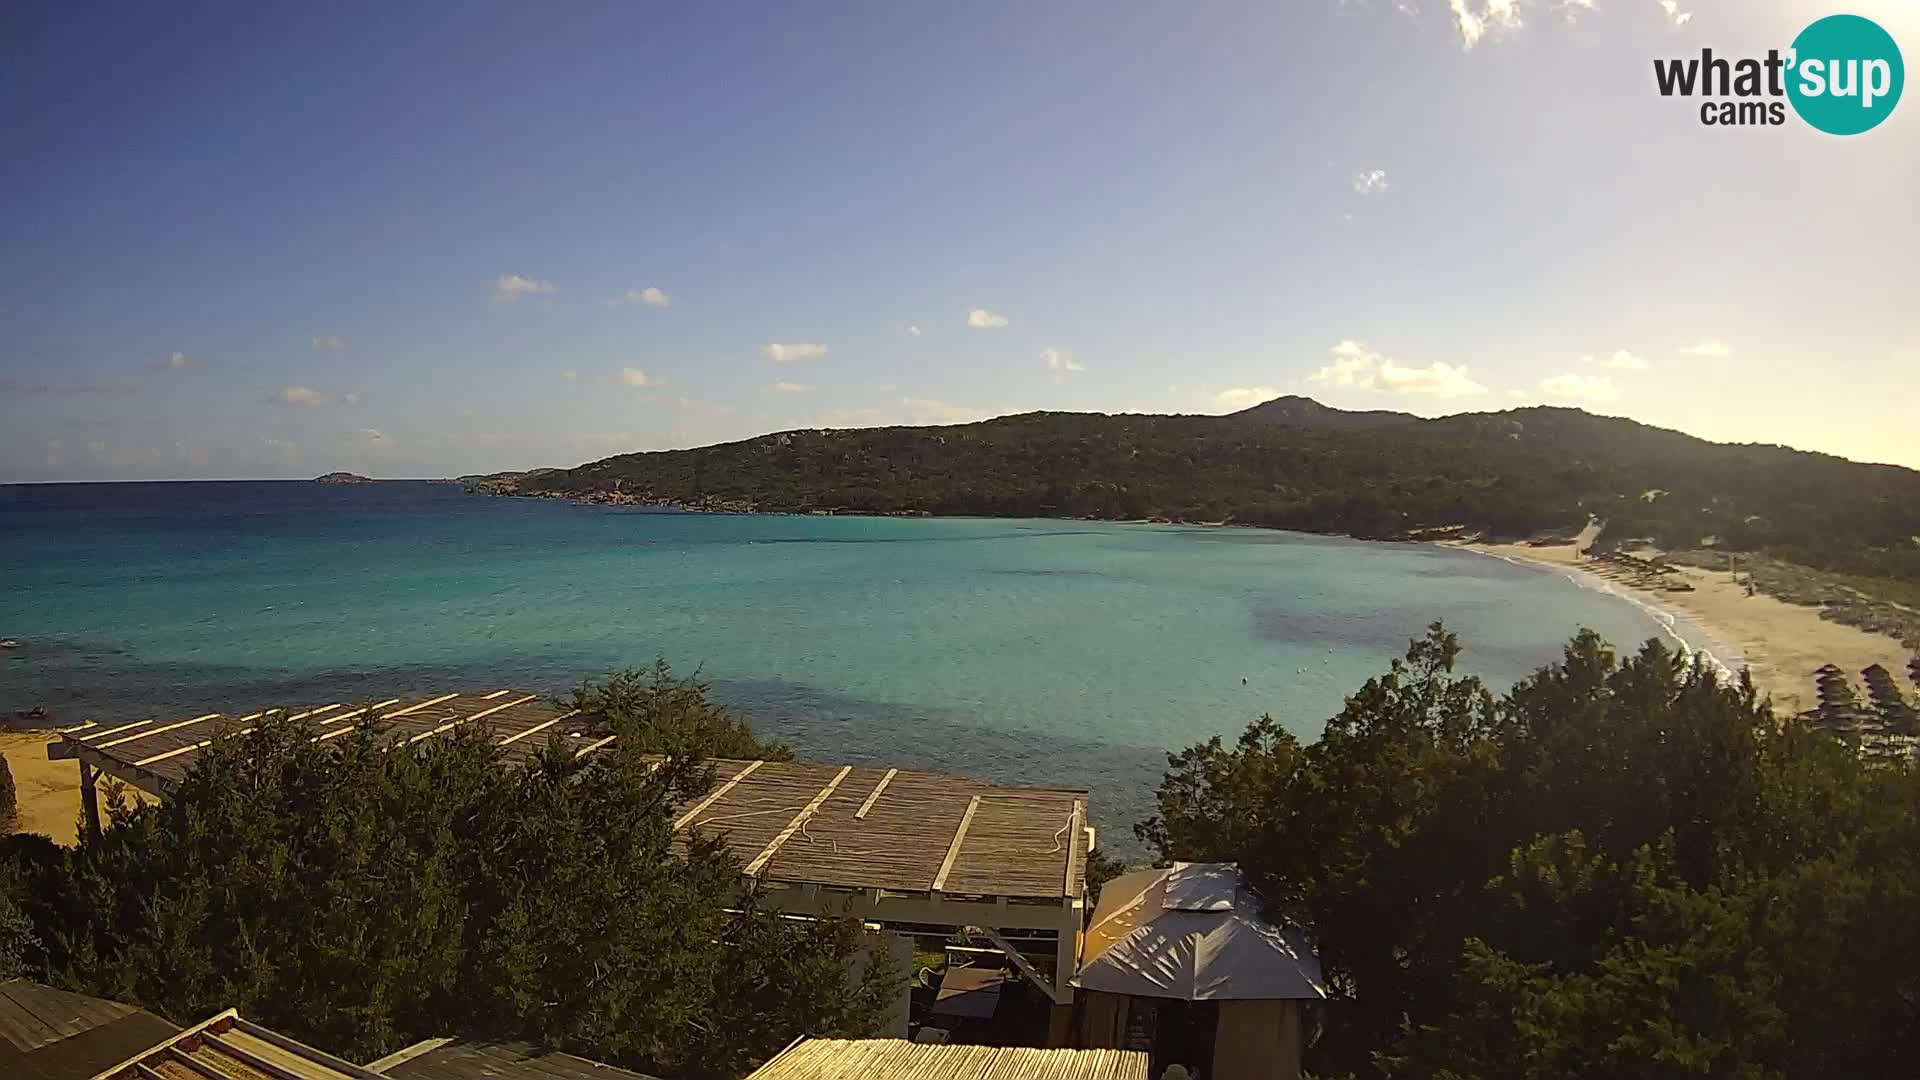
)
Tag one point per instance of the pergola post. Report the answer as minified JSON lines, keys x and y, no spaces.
{"x":1066,"y":961}
{"x":90,"y":802}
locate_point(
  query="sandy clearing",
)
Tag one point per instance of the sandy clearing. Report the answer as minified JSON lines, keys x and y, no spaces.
{"x":49,"y":791}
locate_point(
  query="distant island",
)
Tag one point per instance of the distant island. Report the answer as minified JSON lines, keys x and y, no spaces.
{"x":342,"y":478}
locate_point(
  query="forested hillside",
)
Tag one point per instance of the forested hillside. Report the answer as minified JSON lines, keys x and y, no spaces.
{"x":1293,"y":463}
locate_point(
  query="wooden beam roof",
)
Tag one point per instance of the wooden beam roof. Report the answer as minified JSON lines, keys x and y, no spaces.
{"x":842,"y":827}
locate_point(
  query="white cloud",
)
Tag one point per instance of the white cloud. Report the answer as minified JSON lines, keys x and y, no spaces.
{"x":351,"y":398}
{"x":788,"y":388}
{"x":634,"y":377}
{"x":177,"y":362}
{"x":1674,"y":14}
{"x":508,"y":288}
{"x":647,"y":297}
{"x":1709,"y":349}
{"x":374,"y":437}
{"x":849,"y":418}
{"x":913,"y":331}
{"x":1369,"y":181}
{"x":1517,"y":395}
{"x":56,"y":454}
{"x":788,"y":353}
{"x":162,"y":459}
{"x":929,"y":411}
{"x":329,"y":344}
{"x":1245,"y":397}
{"x":1622,"y":360}
{"x":570,"y":375}
{"x":1491,"y":16}
{"x":301,"y":397}
{"x":1573,"y":8}
{"x":1574,"y":386}
{"x":1357,"y":367}
{"x":982,"y":319}
{"x":1060,"y":364}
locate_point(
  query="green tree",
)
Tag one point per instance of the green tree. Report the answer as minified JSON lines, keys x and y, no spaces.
{"x":362,"y":894}
{"x":1619,"y":868}
{"x":17,"y":940}
{"x":9,"y":799}
{"x":661,"y":713}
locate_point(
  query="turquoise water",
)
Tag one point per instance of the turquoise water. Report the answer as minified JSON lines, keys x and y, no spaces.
{"x":1058,"y":652}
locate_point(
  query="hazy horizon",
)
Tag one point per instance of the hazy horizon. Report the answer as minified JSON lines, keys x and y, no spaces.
{"x":446,"y":239}
{"x":304,"y":477}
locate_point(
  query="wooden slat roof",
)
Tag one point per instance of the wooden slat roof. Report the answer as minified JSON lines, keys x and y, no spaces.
{"x":792,"y":822}
{"x":898,"y":1059}
{"x":227,"y":1047}
{"x":48,"y":1034}
{"x":32,"y":1015}
{"x":464,"y":1059}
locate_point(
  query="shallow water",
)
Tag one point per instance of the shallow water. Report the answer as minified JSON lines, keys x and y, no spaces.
{"x":1057,"y":652}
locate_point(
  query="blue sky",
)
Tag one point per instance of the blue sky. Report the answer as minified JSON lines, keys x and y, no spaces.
{"x":417,"y":239}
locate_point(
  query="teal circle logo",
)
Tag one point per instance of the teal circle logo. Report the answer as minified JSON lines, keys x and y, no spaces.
{"x":1846,"y":74}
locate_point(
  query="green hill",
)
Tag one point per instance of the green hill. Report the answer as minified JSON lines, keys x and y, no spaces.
{"x":1296,"y":464}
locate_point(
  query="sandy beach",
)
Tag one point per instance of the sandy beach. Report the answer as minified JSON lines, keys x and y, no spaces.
{"x":1781,"y":643}
{"x":49,"y":791}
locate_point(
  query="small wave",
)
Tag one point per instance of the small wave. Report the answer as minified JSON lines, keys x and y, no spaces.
{"x":1714,"y":652}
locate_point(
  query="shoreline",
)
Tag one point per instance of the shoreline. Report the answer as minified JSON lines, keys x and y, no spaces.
{"x":1778,"y":643}
{"x":1719,"y":650}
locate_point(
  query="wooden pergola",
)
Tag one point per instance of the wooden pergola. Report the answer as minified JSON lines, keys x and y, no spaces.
{"x":892,"y":846}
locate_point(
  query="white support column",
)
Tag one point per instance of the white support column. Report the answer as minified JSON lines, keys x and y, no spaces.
{"x":1066,"y":957}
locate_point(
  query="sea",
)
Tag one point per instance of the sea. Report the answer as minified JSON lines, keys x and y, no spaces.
{"x":1059,"y":653}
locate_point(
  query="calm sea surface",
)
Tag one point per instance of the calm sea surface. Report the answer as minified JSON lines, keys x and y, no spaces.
{"x":1058,"y":652}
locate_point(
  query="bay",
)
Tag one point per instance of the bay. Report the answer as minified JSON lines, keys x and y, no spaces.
{"x":1064,"y":653}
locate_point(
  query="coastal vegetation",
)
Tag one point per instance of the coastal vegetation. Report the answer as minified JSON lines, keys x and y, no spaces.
{"x":1622,"y":867}
{"x":361,"y":897}
{"x":1295,"y":464}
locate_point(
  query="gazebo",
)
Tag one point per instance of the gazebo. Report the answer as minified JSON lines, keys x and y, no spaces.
{"x":1181,"y":961}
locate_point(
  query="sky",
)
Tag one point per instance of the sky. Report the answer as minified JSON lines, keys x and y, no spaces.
{"x":427,"y":239}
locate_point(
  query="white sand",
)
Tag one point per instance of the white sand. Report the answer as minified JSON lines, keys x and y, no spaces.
{"x":1781,"y":643}
{"x":48,"y":791}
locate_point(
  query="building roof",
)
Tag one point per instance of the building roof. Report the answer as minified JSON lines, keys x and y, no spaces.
{"x":227,"y":1047}
{"x":1193,"y":932}
{"x":898,"y":1059}
{"x":836,"y":826}
{"x":466,"y":1059}
{"x":48,"y":1034}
